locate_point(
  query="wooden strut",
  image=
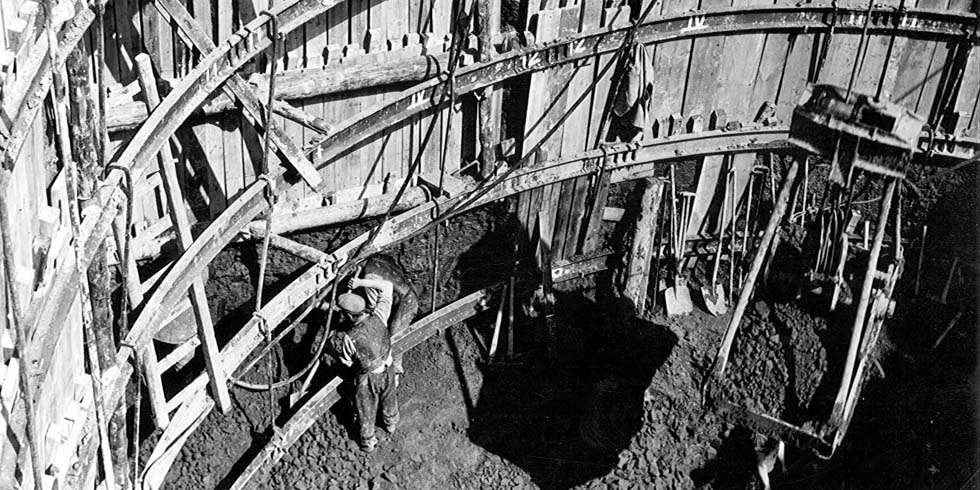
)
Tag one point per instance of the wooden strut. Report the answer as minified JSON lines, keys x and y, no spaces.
{"x":238,"y":88}
{"x":398,"y":228}
{"x":177,"y":108}
{"x":217,"y":66}
{"x":322,"y":400}
{"x":198,"y":296}
{"x":637,"y":162}
{"x":721,"y":360}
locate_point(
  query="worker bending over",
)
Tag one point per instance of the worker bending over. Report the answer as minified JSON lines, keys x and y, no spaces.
{"x":366,"y":347}
{"x":405,"y":302}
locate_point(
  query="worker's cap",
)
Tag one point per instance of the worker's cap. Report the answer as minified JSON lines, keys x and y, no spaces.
{"x":351,"y":303}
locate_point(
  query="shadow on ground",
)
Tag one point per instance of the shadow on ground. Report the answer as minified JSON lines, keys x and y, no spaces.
{"x":565,"y":421}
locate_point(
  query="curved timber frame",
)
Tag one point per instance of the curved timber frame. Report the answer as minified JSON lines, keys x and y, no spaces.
{"x":627,"y":161}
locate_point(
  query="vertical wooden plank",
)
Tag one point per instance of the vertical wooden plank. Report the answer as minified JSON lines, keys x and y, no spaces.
{"x":442,"y":17}
{"x":127,"y":13}
{"x":933,"y":76}
{"x":157,"y":38}
{"x":875,"y":58}
{"x":710,"y":184}
{"x":574,"y":81}
{"x":795,"y":74}
{"x":359,"y":22}
{"x":111,"y":41}
{"x":316,"y":41}
{"x":766,"y":85}
{"x":576,"y":137}
{"x":739,"y":66}
{"x":536,"y":122}
{"x":338,"y":36}
{"x":893,"y":66}
{"x":641,"y":253}
{"x":703,"y":78}
{"x":966,"y":105}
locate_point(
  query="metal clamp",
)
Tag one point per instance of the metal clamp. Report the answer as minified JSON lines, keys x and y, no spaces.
{"x":263,"y":321}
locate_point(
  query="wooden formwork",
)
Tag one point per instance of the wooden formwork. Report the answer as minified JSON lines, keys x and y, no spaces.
{"x":711,"y":62}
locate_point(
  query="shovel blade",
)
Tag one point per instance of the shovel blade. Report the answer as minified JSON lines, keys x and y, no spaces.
{"x":678,"y":301}
{"x":714,"y":300}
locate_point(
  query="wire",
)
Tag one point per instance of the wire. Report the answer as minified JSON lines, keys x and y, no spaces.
{"x":474,"y":195}
{"x":487,"y":186}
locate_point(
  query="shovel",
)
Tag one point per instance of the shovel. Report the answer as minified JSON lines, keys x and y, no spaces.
{"x":714,"y":297}
{"x":677,"y":299}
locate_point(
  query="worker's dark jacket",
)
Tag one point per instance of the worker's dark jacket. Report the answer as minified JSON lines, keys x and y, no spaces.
{"x":366,"y":345}
{"x":371,"y":342}
{"x":385,"y":267}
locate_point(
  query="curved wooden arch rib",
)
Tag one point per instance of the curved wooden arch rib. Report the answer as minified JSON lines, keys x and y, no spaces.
{"x":192,"y":90}
{"x":28,"y":101}
{"x":218,"y":65}
{"x":222,"y":62}
{"x":625,"y":162}
{"x":810,"y":18}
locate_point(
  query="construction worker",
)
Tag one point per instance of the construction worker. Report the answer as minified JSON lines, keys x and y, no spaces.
{"x":405,"y":302}
{"x":366,"y":347}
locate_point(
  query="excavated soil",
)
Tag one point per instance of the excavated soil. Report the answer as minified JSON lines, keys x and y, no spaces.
{"x":615,"y":402}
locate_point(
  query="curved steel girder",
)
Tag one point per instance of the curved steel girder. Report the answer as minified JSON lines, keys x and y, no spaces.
{"x":810,"y":18}
{"x":29,"y":97}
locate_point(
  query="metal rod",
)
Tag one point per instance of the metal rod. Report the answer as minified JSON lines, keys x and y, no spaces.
{"x":862,"y":307}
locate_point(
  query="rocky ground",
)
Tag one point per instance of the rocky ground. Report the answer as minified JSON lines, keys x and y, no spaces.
{"x":618,"y":404}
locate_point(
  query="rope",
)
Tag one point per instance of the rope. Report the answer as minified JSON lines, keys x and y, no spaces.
{"x":270,"y":213}
{"x":319,"y":351}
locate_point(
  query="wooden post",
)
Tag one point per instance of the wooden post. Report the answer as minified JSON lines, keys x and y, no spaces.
{"x":641,"y":255}
{"x":178,"y":213}
{"x":488,"y":12}
{"x":83,"y":135}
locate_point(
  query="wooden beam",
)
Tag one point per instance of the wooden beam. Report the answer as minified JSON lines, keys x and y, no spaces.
{"x":250,"y":101}
{"x":326,"y":397}
{"x":583,"y":265}
{"x":642,"y":251}
{"x":187,"y":418}
{"x":100,"y":343}
{"x":178,"y":213}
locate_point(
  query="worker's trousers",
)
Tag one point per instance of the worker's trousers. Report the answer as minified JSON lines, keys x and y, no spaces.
{"x":372,"y":390}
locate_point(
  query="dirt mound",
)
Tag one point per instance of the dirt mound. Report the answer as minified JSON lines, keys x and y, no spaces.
{"x":778,"y":361}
